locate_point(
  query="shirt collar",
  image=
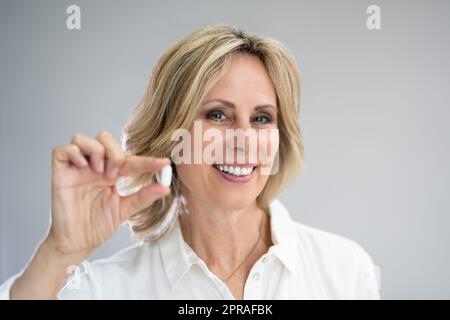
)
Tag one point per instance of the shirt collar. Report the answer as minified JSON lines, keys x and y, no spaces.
{"x":178,"y":256}
{"x":283,"y":236}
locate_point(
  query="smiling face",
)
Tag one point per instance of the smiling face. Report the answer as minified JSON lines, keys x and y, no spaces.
{"x":243,"y":99}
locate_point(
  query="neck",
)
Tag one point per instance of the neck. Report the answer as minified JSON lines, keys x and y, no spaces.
{"x":222,"y":237}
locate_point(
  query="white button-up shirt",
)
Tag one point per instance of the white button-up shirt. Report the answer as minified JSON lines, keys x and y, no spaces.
{"x":303,"y":263}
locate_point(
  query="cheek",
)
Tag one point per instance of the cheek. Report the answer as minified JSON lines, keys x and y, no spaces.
{"x":193,"y":176}
{"x":268,"y":144}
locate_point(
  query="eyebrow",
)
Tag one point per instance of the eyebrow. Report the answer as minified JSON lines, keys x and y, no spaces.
{"x":232,"y":105}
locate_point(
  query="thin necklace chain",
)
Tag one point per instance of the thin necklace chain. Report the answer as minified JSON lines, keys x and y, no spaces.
{"x":182,"y":208}
{"x":246,"y":257}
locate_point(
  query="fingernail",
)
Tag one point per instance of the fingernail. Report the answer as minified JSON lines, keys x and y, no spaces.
{"x":83,"y":161}
{"x":101,"y":165}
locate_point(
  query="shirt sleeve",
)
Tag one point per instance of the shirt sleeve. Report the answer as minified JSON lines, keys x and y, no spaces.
{"x":81,"y":285}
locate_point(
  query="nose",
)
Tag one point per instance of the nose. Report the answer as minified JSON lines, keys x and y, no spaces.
{"x":242,"y":122}
{"x":239,"y":127}
{"x":238,"y":143}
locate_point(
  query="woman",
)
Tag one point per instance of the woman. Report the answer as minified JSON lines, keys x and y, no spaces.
{"x":218,"y":231}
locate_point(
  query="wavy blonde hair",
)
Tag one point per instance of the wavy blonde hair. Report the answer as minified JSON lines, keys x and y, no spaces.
{"x":179,"y":82}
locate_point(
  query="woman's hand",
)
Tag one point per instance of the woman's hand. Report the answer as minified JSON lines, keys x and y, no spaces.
{"x":86,"y":207}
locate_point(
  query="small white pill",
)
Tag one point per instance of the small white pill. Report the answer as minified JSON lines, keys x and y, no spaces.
{"x":166,"y":176}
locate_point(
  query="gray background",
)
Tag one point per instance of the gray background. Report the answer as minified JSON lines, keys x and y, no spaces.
{"x":375,"y":112}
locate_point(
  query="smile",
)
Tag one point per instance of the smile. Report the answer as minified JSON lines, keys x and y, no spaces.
{"x":235,"y":173}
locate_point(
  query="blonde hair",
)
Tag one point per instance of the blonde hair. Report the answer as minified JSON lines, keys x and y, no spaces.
{"x":180,"y":81}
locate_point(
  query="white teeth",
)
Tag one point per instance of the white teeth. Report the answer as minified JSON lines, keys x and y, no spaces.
{"x":236,"y":171}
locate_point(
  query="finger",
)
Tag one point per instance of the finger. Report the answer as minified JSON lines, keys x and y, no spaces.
{"x":130,"y":205}
{"x":91,"y":148}
{"x":75,"y":156}
{"x":69,"y":154}
{"x":114,"y":155}
{"x":137,"y":164}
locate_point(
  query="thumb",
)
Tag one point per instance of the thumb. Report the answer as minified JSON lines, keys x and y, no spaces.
{"x":131,"y":204}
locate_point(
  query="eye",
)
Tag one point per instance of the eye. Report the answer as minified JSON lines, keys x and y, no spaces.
{"x":216,"y":115}
{"x":263,"y":119}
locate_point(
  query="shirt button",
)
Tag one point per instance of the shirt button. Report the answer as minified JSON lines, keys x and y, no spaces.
{"x":256,"y":276}
{"x":264,"y":260}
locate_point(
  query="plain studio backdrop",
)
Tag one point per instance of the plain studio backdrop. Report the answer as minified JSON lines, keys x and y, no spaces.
{"x":374,"y":118}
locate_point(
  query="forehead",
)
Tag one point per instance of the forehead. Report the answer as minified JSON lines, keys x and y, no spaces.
{"x":245,"y":80}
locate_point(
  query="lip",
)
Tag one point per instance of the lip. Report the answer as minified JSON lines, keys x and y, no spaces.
{"x":236,"y":179}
